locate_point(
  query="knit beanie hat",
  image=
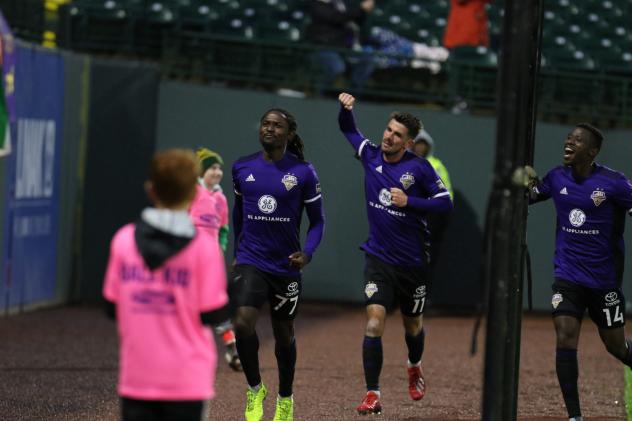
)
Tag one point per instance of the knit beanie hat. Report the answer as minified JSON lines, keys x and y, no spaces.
{"x":424,"y":136}
{"x":208,"y":158}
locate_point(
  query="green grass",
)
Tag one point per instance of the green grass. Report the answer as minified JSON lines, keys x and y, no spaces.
{"x":628,"y":393}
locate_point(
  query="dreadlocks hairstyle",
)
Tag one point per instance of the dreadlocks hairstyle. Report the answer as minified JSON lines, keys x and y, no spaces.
{"x":597,"y":136}
{"x":295,"y":145}
{"x":409,"y":121}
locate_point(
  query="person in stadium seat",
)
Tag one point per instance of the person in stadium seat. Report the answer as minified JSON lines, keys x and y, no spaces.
{"x":272,"y":188}
{"x":400,"y":190}
{"x":335,"y":25}
{"x":209,"y":212}
{"x":591,"y":203}
{"x":164,"y":282}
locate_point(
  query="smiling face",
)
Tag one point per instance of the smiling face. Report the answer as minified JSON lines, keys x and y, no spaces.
{"x":579,"y":148}
{"x":274,"y":131}
{"x":213,"y":175}
{"x":394,"y":139}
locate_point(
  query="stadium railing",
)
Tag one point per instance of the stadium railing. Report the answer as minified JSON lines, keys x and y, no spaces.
{"x":572,"y":86}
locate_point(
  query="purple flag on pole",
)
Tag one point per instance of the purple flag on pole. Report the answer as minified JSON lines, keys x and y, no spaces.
{"x":7,"y":87}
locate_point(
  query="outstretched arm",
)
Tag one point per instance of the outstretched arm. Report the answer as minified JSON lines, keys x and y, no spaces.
{"x":440,"y":202}
{"x":347,"y":123}
{"x":538,"y":190}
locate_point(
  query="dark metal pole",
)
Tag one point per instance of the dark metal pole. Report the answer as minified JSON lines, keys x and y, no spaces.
{"x":507,"y":211}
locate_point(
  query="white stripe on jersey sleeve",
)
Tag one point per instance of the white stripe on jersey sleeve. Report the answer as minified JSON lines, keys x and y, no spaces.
{"x":630,"y":212}
{"x":362,"y":145}
{"x":236,"y":192}
{"x":444,"y":193}
{"x":313,"y":199}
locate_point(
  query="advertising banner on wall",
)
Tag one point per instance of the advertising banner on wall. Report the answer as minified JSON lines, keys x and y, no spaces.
{"x":33,"y":168}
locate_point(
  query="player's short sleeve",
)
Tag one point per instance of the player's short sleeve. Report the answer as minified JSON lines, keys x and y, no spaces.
{"x":112,"y":273}
{"x":235,"y":176}
{"x":211,"y":275}
{"x":431,"y":182}
{"x":311,"y":186}
{"x":624,"y":193}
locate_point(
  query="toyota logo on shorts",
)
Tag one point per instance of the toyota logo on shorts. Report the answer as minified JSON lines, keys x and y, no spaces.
{"x":611,"y":297}
{"x":292,"y":287}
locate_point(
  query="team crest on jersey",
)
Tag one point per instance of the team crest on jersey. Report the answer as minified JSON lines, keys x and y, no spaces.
{"x":370,"y":289}
{"x":318,"y":189}
{"x":598,"y":197}
{"x":407,"y":180}
{"x":557,"y":299}
{"x":289,"y":181}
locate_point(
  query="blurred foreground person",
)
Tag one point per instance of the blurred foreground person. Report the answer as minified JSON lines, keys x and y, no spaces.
{"x":164,"y":282}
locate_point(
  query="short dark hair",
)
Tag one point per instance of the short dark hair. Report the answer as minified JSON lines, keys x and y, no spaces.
{"x":596,"y":135}
{"x":409,"y":121}
{"x":174,"y":174}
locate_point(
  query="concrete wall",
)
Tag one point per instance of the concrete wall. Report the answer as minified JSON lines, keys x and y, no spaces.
{"x":227,"y":121}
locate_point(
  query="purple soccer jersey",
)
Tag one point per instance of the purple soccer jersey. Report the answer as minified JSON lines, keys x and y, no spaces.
{"x":398,"y":236}
{"x":270,"y":200}
{"x":589,"y":247}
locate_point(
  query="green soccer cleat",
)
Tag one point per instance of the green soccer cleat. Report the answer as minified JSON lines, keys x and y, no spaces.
{"x":254,"y":403}
{"x":284,"y":409}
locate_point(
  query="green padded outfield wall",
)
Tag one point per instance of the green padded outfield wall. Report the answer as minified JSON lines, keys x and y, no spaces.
{"x":227,"y":121}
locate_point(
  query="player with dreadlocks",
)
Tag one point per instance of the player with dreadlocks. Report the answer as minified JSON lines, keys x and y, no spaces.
{"x":272,"y":187}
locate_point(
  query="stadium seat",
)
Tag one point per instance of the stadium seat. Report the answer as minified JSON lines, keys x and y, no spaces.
{"x":478,"y":56}
{"x":279,"y":31}
{"x":620,"y":62}
{"x":195,"y":17}
{"x":151,"y":29}
{"x":567,"y":59}
{"x":104,"y":25}
{"x":234,"y":27}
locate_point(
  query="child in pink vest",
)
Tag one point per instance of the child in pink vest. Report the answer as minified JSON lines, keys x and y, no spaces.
{"x":209,"y":212}
{"x":164,"y":282}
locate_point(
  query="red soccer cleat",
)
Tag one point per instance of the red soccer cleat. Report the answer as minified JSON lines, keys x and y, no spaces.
{"x":370,"y":404}
{"x":416,"y":383}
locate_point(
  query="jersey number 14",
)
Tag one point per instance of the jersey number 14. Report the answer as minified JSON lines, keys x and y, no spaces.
{"x":618,"y":316}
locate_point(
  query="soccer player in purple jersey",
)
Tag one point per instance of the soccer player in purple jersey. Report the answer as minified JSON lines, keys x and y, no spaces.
{"x":591,"y":202}
{"x":400,"y":190}
{"x":272,"y":188}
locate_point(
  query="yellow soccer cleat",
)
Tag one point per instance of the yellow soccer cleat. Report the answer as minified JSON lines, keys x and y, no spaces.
{"x":284,"y":409}
{"x":254,"y":403}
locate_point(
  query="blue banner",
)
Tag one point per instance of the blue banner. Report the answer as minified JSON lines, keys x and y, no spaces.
{"x":32,"y":213}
